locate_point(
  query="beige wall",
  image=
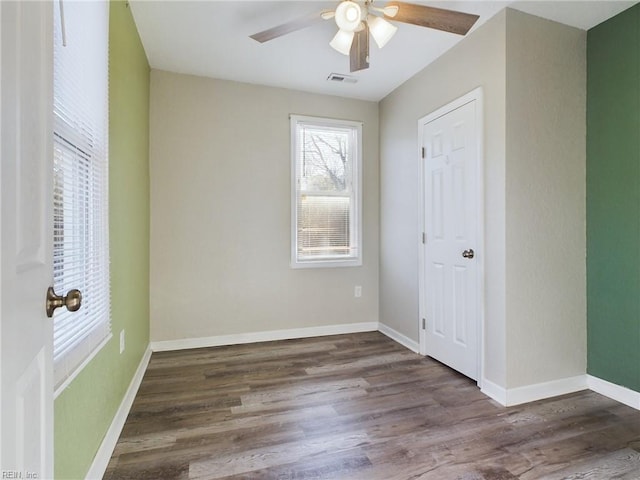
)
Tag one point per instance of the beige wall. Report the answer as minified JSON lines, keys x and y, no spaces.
{"x":546,"y":200}
{"x":479,"y":60}
{"x":533,"y":75}
{"x":220,"y":212}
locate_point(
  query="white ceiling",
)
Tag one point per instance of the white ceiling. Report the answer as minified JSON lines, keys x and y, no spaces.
{"x":211,"y":38}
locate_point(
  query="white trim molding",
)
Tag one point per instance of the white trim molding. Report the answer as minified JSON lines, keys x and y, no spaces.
{"x":101,"y":460}
{"x":509,"y":397}
{"x":539,"y":391}
{"x":618,"y":393}
{"x":494,"y":391}
{"x":399,"y":337}
{"x":268,"y":336}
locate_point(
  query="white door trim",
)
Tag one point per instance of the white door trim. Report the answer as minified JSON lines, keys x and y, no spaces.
{"x":477,"y":96}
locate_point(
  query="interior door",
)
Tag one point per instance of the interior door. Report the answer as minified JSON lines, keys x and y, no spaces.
{"x":450,"y":258}
{"x":26,"y":391}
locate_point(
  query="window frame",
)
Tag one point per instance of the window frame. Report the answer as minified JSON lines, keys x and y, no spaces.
{"x":355,"y":217}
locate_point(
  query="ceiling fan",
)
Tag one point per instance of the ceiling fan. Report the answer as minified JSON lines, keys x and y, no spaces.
{"x":357,"y":19}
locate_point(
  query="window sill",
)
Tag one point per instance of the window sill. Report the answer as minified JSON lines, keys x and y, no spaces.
{"x":67,"y":381}
{"x":332,"y":263}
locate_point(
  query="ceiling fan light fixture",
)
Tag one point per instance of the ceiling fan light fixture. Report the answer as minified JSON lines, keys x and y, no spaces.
{"x":381,"y":30}
{"x":342,"y":41}
{"x":348,"y":15}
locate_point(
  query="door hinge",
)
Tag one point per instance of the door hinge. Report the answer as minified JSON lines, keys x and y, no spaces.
{"x":424,"y":324}
{"x":422,"y":152}
{"x":424,"y":238}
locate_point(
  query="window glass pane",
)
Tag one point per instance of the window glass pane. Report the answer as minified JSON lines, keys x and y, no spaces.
{"x":324,"y":226}
{"x":325,"y":159}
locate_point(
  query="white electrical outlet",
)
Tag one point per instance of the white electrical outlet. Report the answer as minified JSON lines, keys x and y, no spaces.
{"x":121,"y":341}
{"x":358,"y":291}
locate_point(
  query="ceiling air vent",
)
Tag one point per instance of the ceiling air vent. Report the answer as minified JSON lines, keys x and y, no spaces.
{"x":341,"y":78}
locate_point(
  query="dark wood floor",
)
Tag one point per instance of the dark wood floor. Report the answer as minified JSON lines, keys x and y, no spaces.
{"x":357,"y":407}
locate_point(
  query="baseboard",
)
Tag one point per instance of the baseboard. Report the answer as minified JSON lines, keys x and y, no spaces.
{"x":268,"y":336}
{"x":494,"y":391}
{"x":101,"y":460}
{"x":508,"y":397}
{"x":399,"y":337}
{"x":539,"y":391}
{"x":615,"y":392}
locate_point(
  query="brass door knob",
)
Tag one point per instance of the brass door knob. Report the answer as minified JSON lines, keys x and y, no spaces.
{"x":73,"y":301}
{"x":469,"y":253}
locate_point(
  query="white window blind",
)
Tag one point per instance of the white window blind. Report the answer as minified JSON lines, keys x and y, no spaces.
{"x":326,"y":201}
{"x":80,"y":173}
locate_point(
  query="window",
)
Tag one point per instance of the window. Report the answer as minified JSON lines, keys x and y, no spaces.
{"x":80,"y":189}
{"x":326,"y":200}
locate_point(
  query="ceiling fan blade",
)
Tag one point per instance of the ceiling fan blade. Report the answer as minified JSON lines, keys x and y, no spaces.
{"x":292,"y":26}
{"x":359,"y":53}
{"x":431,"y":17}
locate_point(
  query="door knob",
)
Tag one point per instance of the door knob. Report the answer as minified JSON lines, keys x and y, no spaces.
{"x":468,"y":253}
{"x":73,"y":301}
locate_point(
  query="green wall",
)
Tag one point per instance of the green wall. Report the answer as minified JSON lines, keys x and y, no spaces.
{"x":84,"y":411}
{"x":613,"y":199}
